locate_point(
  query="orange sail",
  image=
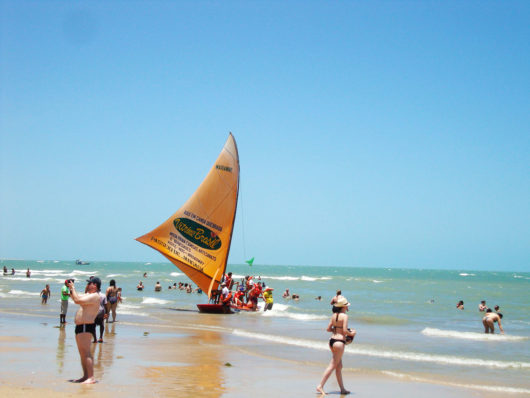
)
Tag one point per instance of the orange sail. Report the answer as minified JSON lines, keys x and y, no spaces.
{"x":197,"y":237}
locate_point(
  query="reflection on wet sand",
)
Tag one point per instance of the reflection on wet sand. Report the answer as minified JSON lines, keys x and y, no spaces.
{"x":60,"y":349}
{"x":103,"y":353}
{"x":190,"y":363}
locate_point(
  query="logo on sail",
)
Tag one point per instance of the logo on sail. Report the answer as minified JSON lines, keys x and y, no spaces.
{"x":198,"y":234}
{"x":224,"y":168}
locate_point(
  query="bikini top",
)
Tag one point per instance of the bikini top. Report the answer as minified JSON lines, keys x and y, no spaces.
{"x":337,"y":326}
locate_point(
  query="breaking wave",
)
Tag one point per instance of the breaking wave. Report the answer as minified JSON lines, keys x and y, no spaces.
{"x":388,"y":354}
{"x":455,"y":334}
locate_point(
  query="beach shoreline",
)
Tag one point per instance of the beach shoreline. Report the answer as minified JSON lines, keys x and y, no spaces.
{"x":405,"y":341}
{"x":143,"y":359}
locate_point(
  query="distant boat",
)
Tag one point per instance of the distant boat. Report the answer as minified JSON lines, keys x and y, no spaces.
{"x":197,"y":237}
{"x":79,"y":262}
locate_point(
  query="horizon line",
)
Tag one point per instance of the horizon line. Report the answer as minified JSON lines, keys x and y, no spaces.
{"x":285,"y":265}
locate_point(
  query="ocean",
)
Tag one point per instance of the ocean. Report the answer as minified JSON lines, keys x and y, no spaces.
{"x":407,"y":323}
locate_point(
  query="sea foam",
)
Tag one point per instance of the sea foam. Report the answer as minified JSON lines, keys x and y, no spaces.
{"x":124,"y":306}
{"x":455,"y":334}
{"x":312,"y":279}
{"x":280,"y":310}
{"x":23,"y":293}
{"x":482,"y":387}
{"x":388,"y":354}
{"x":153,"y":300}
{"x":295,"y":315}
{"x":24,"y":279}
{"x":282,"y":278}
{"x":76,"y":272}
{"x":128,"y":309}
{"x":47,"y":272}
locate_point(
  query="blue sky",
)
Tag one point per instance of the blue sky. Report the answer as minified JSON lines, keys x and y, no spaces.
{"x":377,"y":134}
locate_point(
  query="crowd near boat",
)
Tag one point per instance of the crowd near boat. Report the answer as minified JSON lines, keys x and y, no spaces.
{"x":235,"y":295}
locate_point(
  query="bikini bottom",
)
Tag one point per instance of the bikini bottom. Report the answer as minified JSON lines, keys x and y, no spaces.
{"x":333,"y":341}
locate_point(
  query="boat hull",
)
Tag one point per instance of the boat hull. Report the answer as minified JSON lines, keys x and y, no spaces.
{"x":214,"y":309}
{"x":244,"y":308}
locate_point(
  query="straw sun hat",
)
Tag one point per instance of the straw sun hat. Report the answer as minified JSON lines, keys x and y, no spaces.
{"x":341,"y":302}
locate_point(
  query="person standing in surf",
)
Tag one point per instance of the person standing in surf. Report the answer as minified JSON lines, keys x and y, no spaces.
{"x":101,"y":316}
{"x":338,"y":326}
{"x":112,"y":300}
{"x":267,"y":296}
{"x":489,"y":322}
{"x":336,"y":298}
{"x":45,"y":294}
{"x":65,"y":295}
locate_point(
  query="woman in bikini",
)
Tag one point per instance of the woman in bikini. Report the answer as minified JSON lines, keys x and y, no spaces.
{"x":489,"y":321}
{"x":338,"y":325}
{"x":112,"y":299}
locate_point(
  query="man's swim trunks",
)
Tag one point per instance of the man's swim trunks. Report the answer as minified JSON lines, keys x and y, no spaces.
{"x":85,"y":328}
{"x":64,"y":307}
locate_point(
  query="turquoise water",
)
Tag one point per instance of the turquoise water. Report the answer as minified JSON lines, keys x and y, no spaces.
{"x":406,"y":319}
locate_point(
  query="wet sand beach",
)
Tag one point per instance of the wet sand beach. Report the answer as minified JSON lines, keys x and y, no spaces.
{"x":158,"y":357}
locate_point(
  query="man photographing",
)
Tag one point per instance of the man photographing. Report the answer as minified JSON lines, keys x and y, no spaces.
{"x":65,"y":295}
{"x":85,"y":326}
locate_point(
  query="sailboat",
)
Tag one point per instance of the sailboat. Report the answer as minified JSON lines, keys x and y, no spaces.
{"x":197,"y":237}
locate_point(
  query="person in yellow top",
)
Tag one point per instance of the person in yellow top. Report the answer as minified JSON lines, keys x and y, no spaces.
{"x":267,"y":296}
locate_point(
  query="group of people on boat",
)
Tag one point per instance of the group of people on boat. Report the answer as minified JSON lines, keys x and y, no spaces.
{"x":243,"y":295}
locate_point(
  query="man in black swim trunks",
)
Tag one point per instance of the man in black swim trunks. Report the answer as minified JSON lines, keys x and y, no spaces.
{"x":85,"y":326}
